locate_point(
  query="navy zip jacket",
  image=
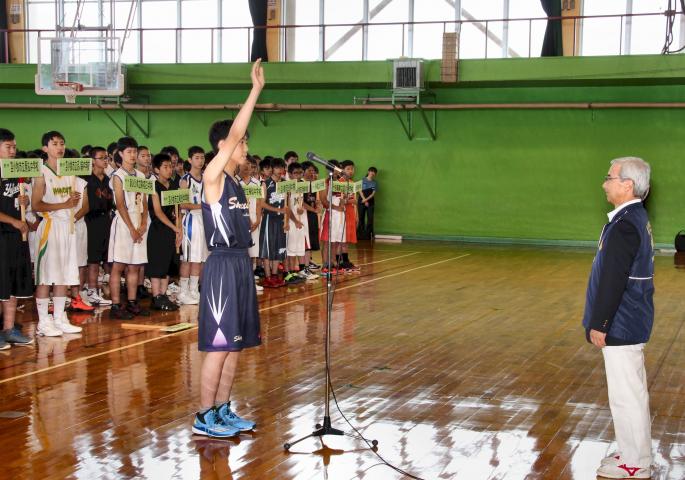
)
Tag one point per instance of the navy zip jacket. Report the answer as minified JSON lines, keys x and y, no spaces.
{"x":621,"y":286}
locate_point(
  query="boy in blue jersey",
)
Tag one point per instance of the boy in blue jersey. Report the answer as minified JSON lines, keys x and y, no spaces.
{"x":229,"y":316}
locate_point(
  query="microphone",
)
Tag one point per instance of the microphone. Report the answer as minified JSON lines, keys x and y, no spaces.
{"x":313,"y":157}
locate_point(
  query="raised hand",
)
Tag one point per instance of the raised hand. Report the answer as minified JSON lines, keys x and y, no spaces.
{"x":257,"y":74}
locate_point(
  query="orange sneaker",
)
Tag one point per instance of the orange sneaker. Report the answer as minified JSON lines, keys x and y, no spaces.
{"x":78,"y":305}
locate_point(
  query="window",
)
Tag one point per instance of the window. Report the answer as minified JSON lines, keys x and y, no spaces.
{"x":387,"y":41}
{"x":305,"y":40}
{"x":345,"y":42}
{"x":428,"y":37}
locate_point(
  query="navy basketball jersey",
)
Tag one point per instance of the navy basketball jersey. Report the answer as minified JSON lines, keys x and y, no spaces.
{"x":227,"y":222}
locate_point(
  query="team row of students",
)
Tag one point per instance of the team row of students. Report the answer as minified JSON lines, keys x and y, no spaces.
{"x":75,"y":226}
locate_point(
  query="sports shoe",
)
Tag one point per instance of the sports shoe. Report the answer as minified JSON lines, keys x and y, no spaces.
{"x":258,"y":287}
{"x":229,"y":417}
{"x":147,"y":283}
{"x":162,"y":302}
{"x":84,"y":297}
{"x":47,"y":328}
{"x":314,"y":266}
{"x":273,"y":281}
{"x":613,"y":459}
{"x":96,"y":299}
{"x":259,"y":272}
{"x":187,"y":298}
{"x":292,"y":278}
{"x":3,"y":344}
{"x":136,"y":310}
{"x":211,"y":425}
{"x":119,"y":312}
{"x":623,"y":471}
{"x":309,"y":275}
{"x":78,"y":305}
{"x":325,"y":271}
{"x":172,"y":288}
{"x":66,"y":327}
{"x":14,"y":337}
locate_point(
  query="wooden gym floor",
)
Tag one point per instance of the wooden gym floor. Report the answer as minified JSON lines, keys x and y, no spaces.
{"x":464,"y":362}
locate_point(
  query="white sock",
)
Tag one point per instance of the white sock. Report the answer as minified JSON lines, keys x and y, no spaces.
{"x":58,"y":312}
{"x":194,"y":281}
{"x":42,"y":308}
{"x":183,"y":283}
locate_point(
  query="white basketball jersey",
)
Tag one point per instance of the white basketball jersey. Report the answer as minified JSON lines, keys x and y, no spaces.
{"x":57,"y":190}
{"x":195,"y":187}
{"x":133,"y":200}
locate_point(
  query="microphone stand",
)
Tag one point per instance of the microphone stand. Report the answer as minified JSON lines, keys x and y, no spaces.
{"x":327,"y":428}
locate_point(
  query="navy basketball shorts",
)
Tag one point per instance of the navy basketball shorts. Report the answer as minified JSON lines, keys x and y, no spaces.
{"x":229,"y":314}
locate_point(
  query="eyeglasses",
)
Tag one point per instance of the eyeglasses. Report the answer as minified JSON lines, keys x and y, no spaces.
{"x":609,"y":177}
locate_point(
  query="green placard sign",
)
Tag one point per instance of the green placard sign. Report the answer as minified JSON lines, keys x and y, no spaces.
{"x":20,"y":167}
{"x":358,"y":186}
{"x":302,"y":187}
{"x":318,"y":185}
{"x":74,"y":166}
{"x":343,"y":187}
{"x":138,"y":184}
{"x":252,"y":191}
{"x":285,"y":186}
{"x":175,"y":197}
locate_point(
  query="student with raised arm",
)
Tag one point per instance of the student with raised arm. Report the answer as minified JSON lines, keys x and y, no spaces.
{"x":229,"y":316}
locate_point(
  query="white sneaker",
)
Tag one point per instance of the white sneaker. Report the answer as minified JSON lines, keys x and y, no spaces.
{"x":612,"y":459}
{"x":259,"y":287}
{"x":47,"y":328}
{"x":66,"y":327}
{"x":95,"y":298}
{"x":147,"y":283}
{"x":309,"y":275}
{"x":84,"y":297}
{"x":623,"y":471}
{"x":187,"y":298}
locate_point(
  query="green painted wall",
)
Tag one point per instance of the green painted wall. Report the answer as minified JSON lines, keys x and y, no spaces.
{"x":513,"y":174}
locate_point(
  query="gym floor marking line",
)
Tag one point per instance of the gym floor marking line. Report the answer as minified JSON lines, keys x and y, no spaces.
{"x":150,"y":340}
{"x":388,"y":259}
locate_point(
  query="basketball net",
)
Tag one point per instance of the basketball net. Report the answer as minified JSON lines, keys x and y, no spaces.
{"x":71,"y":90}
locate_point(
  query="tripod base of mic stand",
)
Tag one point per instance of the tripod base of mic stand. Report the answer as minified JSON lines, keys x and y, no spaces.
{"x":327,"y":429}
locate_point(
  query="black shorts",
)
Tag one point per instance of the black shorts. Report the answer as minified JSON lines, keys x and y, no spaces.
{"x":229,"y":314}
{"x":98,"y":237}
{"x":272,"y":238}
{"x":16,"y":278}
{"x":162,"y":259}
{"x":313,"y":220}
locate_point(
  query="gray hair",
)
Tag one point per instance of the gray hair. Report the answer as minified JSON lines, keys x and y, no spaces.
{"x":637,"y":170}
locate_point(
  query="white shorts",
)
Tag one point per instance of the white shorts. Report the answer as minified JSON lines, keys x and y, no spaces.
{"x":56,"y":250}
{"x":194,"y":241}
{"x":81,"y":243}
{"x":33,"y":246}
{"x":338,"y":226}
{"x":121,"y":246}
{"x":297,"y":240}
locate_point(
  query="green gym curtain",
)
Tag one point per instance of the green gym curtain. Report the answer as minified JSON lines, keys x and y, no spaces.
{"x":258,"y":13}
{"x":552,"y":46}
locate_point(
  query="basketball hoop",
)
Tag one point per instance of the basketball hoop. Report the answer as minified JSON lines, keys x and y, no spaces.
{"x":70,"y":90}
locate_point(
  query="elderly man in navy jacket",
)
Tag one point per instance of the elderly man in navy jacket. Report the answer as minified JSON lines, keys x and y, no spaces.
{"x":619,"y":313}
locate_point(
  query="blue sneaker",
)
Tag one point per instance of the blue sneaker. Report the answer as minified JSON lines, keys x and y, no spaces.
{"x":211,"y":425}
{"x":230,"y":418}
{"x":14,"y":337}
